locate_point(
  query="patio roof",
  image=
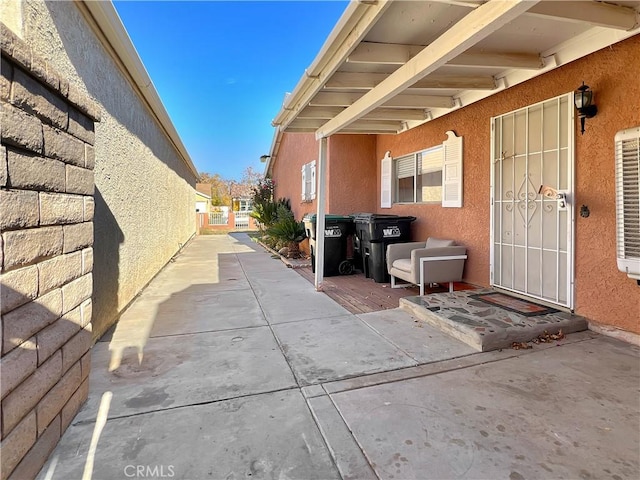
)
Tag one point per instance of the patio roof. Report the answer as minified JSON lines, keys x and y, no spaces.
{"x":389,"y":66}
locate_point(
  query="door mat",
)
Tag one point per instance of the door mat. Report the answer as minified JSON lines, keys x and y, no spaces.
{"x":513,"y":304}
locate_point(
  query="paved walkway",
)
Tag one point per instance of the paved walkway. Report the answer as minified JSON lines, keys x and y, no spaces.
{"x":229,"y":365}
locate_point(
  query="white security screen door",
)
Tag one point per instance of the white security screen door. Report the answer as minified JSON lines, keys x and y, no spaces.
{"x":532,"y":234}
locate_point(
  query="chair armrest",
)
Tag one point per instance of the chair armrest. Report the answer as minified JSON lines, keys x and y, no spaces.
{"x":452,"y":251}
{"x":401,"y":250}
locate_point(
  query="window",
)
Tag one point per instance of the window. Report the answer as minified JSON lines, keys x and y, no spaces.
{"x":309,"y":181}
{"x":418,"y":177}
{"x":431,"y":175}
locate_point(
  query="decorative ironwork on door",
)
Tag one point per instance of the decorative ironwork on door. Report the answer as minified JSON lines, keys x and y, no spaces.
{"x":532,"y":250}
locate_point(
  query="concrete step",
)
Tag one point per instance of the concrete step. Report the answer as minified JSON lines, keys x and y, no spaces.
{"x":486,"y":327}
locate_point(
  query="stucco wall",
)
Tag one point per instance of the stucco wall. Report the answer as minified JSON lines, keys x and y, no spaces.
{"x":351,"y":157}
{"x":296,"y":149}
{"x":602,"y":293}
{"x":144,"y":208}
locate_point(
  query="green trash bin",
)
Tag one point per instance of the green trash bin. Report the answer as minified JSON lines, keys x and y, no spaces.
{"x":338,"y":232}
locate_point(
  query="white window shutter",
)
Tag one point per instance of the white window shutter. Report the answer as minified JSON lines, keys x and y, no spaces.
{"x":313,"y":180}
{"x":304,"y":182}
{"x":386,"y":178}
{"x":452,"y":171}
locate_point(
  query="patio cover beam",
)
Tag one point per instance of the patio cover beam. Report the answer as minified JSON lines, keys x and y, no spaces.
{"x":395,"y":54}
{"x":346,"y":99}
{"x":595,"y":13}
{"x":368,"y":81}
{"x":475,"y":26}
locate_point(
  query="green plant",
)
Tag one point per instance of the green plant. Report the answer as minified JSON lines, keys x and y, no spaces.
{"x":286,"y":229}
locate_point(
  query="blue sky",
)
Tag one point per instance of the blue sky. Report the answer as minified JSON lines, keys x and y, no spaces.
{"x":222,"y":68}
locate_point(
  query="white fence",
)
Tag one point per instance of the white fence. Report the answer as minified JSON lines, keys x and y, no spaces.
{"x":218,"y":218}
{"x":242,"y":220}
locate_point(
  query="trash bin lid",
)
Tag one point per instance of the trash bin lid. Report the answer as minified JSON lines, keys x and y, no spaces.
{"x":378,"y":217}
{"x":328,"y":218}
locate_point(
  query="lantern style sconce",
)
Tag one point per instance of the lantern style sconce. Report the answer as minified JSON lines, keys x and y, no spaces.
{"x":583,"y":98}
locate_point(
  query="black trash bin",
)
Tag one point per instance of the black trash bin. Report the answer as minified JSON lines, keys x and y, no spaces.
{"x":373,"y":232}
{"x":338,"y":233}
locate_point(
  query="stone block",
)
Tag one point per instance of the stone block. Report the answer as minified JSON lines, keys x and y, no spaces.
{"x":83,"y":102}
{"x":87,"y":260}
{"x":20,"y":129}
{"x":81,"y":126}
{"x":34,"y":172}
{"x":85,"y":363}
{"x":76,"y":292}
{"x":54,"y":401}
{"x":89,"y":209}
{"x":24,"y":247}
{"x":17,"y":288}
{"x":39,"y":72}
{"x":6,"y":74}
{"x":16,"y":366}
{"x":19,"y":209}
{"x":3,"y":166}
{"x":76,"y":348}
{"x":53,"y":337}
{"x":87,"y":311}
{"x":77,"y":236}
{"x":17,"y":404}
{"x":79,"y":180}
{"x":59,"y":271}
{"x":25,"y":321}
{"x":72,"y":407}
{"x":58,"y":208}
{"x":89,"y":157}
{"x":62,"y":146}
{"x":21,"y":54}
{"x":33,"y":461}
{"x":16,"y":445}
{"x":33,"y":97}
{"x":8,"y":39}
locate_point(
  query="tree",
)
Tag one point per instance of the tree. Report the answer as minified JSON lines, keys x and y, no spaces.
{"x":220,"y":188}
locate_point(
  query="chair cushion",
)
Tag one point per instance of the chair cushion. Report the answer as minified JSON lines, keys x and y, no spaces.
{"x":403,"y":264}
{"x":433,"y":242}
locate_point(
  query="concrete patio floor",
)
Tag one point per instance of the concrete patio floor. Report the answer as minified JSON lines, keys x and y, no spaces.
{"x":230,"y":366}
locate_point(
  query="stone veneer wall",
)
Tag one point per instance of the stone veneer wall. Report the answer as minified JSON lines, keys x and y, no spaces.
{"x":46,"y":254}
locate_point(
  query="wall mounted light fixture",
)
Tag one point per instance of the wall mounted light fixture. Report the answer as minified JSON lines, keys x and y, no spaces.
{"x":264,"y":158}
{"x":583,"y":98}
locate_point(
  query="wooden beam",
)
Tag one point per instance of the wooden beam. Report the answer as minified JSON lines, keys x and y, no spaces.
{"x":595,"y":13}
{"x":320,"y":112}
{"x":479,"y":82}
{"x":399,"y":114}
{"x":475,"y":26}
{"x":394,"y":54}
{"x":498,"y":59}
{"x":384,"y":53}
{"x":337,"y":99}
{"x":368,"y":81}
{"x":419,"y":101}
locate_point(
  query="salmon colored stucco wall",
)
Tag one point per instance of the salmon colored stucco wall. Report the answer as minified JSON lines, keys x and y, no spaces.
{"x":602,"y":293}
{"x":348,"y":157}
{"x":351,"y":157}
{"x":296,"y":149}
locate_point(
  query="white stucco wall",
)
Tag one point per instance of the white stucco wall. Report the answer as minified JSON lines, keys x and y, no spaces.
{"x":144,"y":190}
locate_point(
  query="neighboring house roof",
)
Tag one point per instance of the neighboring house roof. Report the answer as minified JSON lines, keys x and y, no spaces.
{"x":204,"y":188}
{"x":390,"y":66}
{"x":108,"y":27}
{"x":203,"y":195}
